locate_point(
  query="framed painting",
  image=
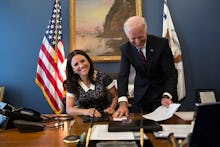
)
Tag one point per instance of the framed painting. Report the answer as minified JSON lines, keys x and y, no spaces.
{"x":97,"y":26}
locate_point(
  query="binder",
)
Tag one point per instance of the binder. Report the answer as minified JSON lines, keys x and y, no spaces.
{"x":133,"y":125}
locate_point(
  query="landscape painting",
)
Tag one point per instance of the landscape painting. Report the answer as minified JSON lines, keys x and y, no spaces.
{"x":97,"y":26}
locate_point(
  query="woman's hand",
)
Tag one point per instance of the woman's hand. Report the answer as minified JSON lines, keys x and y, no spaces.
{"x":109,"y":110}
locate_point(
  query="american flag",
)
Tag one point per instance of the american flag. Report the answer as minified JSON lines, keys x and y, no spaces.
{"x":50,"y":72}
{"x":170,"y":33}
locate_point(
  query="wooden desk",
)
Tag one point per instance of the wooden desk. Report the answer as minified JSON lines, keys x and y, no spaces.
{"x":54,"y":136}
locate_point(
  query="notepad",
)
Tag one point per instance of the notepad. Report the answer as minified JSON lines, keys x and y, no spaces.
{"x":100,"y":132}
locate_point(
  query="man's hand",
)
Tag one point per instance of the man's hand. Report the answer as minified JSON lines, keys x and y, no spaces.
{"x":166,"y":102}
{"x":122,"y":110}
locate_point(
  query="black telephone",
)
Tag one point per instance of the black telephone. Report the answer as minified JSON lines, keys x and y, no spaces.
{"x":11,"y":114}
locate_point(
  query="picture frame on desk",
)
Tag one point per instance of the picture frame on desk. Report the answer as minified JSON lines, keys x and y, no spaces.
{"x":97,"y":27}
{"x":2,"y":89}
{"x":206,"y":95}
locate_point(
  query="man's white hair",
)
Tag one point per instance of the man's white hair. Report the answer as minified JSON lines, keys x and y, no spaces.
{"x":133,"y":22}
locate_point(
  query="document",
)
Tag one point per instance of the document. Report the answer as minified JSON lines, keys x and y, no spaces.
{"x":100,"y":132}
{"x":179,"y":130}
{"x":187,"y":116}
{"x":162,"y":113}
{"x":120,"y":118}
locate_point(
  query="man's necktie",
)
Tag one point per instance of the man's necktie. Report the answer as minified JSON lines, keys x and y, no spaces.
{"x":143,"y":59}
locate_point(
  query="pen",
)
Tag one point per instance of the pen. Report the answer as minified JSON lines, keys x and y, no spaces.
{"x":141,"y":130}
{"x":141,"y":137}
{"x":71,"y":125}
{"x":90,"y":129}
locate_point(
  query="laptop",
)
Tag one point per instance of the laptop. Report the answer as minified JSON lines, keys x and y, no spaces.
{"x":206,"y":130}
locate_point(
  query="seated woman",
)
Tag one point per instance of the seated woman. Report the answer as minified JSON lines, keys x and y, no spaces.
{"x":87,"y":87}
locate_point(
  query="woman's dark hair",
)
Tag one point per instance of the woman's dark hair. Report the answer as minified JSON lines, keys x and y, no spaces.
{"x":71,"y":77}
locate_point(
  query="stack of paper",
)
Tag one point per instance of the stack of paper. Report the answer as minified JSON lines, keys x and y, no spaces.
{"x":179,"y":130}
{"x":187,"y":116}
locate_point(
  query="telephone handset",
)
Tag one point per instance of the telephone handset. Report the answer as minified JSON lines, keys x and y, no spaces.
{"x":22,"y":114}
{"x":28,"y":114}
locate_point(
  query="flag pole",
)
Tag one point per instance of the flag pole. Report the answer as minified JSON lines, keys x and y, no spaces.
{"x":56,"y":41}
{"x":139,"y":7}
{"x":56,"y":33}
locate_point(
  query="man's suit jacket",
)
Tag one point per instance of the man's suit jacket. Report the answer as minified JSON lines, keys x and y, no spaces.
{"x":152,"y":79}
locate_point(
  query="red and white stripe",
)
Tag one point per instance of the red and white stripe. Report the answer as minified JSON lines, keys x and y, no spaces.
{"x":50,"y":74}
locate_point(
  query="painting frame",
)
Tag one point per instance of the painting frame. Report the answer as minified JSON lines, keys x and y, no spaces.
{"x":98,"y":58}
{"x":206,"y":95}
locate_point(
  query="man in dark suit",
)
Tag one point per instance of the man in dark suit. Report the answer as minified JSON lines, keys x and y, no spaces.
{"x":156,"y":77}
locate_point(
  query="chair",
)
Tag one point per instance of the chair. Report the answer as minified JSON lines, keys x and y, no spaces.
{"x":114,"y":76}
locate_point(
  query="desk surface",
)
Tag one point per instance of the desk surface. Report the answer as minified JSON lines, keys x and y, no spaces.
{"x":54,"y":136}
